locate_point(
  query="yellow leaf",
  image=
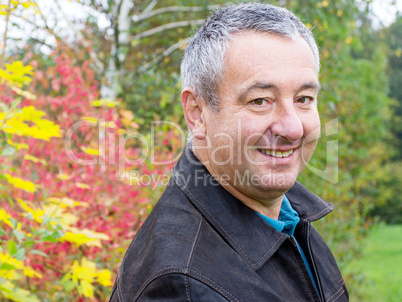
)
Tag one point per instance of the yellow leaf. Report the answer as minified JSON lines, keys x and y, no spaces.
{"x":82,"y":186}
{"x":26,"y":94}
{"x":16,"y":264}
{"x":84,"y":236}
{"x":43,"y":129}
{"x":90,"y":151}
{"x":92,"y":120}
{"x":104,"y":102}
{"x":89,"y":265}
{"x":16,"y":74}
{"x":325,"y":3}
{"x":6,"y":218}
{"x":35,"y":159}
{"x":16,"y":126}
{"x":349,"y":40}
{"x":66,"y":202}
{"x":18,"y":146}
{"x":90,"y":234}
{"x":29,"y":272}
{"x":63,"y":176}
{"x":21,"y":184}
{"x":29,"y":113}
{"x":36,"y":214}
{"x":87,"y":289}
{"x":28,"y":4}
{"x":3,"y":9}
{"x":83,"y":275}
{"x":104,"y":277}
{"x":25,"y":206}
{"x":79,"y":239}
{"x":67,"y":219}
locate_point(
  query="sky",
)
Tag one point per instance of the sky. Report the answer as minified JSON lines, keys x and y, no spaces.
{"x":384,"y":12}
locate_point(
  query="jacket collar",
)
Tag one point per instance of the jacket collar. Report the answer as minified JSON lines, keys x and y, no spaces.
{"x":239,"y":225}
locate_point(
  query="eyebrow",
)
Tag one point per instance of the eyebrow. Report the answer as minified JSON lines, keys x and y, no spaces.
{"x":267,"y":86}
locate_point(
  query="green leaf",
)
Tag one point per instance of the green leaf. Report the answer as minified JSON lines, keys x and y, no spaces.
{"x":7,"y":151}
{"x":36,"y":252}
{"x":11,"y":247}
{"x":19,"y":235}
{"x":20,"y":254}
{"x":7,"y":267}
{"x":15,"y":103}
{"x":68,"y":285}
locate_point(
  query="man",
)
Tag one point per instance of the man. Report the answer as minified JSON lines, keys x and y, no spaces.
{"x":233,"y":224}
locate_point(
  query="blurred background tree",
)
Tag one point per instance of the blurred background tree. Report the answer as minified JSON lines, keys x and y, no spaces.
{"x":134,"y":49}
{"x":390,"y":210}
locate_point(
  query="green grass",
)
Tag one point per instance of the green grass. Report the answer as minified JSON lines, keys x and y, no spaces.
{"x":378,"y":273}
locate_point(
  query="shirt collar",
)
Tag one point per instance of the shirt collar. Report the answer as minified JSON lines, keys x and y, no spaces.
{"x":287,"y":220}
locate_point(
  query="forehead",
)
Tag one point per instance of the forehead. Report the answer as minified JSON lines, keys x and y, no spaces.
{"x":259,"y":57}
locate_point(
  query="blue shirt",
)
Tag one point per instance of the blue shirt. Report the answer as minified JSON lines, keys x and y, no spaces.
{"x":286,"y":223}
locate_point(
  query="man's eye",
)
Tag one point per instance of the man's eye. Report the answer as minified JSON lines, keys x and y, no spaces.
{"x":305,"y":100}
{"x":258,"y":101}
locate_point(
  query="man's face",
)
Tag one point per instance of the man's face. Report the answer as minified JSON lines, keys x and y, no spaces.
{"x":267,"y":124}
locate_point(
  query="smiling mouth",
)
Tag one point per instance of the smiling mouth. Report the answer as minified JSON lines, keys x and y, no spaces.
{"x":277,"y":154}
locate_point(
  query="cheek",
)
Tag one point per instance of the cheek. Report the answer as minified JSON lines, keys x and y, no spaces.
{"x":312,"y":126}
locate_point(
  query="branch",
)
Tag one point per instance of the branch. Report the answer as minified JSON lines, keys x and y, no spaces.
{"x":166,"y":53}
{"x":168,"y":26}
{"x":98,"y":64}
{"x":3,"y":55}
{"x":40,"y":42}
{"x":150,"y":6}
{"x":147,"y":15}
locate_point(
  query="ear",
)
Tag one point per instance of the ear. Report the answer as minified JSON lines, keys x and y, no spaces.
{"x":193,"y":112}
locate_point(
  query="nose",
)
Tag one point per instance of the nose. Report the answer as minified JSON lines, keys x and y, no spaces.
{"x":287,"y":122}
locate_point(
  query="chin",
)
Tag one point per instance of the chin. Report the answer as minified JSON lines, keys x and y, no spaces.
{"x":279,"y":182}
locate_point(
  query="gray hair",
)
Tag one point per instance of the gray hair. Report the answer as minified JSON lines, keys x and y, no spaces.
{"x":202,"y":64}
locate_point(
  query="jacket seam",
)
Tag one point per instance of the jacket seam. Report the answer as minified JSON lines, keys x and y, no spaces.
{"x":189,"y":260}
{"x":248,"y":259}
{"x":119,"y":293}
{"x":116,"y":290}
{"x":336,"y":298}
{"x":192,"y":248}
{"x":305,"y":281}
{"x":210,"y":280}
{"x":318,"y":214}
{"x":187,"y":292}
{"x":174,"y":269}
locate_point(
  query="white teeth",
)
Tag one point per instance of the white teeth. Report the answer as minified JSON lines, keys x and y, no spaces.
{"x":277,"y":154}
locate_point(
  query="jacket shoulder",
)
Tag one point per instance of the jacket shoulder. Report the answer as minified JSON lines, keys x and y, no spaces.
{"x":160,"y":252}
{"x":180,"y":287}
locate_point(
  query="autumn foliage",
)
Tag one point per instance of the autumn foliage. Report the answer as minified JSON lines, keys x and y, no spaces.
{"x":70,"y":203}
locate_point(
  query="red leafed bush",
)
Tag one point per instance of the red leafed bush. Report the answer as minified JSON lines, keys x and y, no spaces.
{"x":100,"y":171}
